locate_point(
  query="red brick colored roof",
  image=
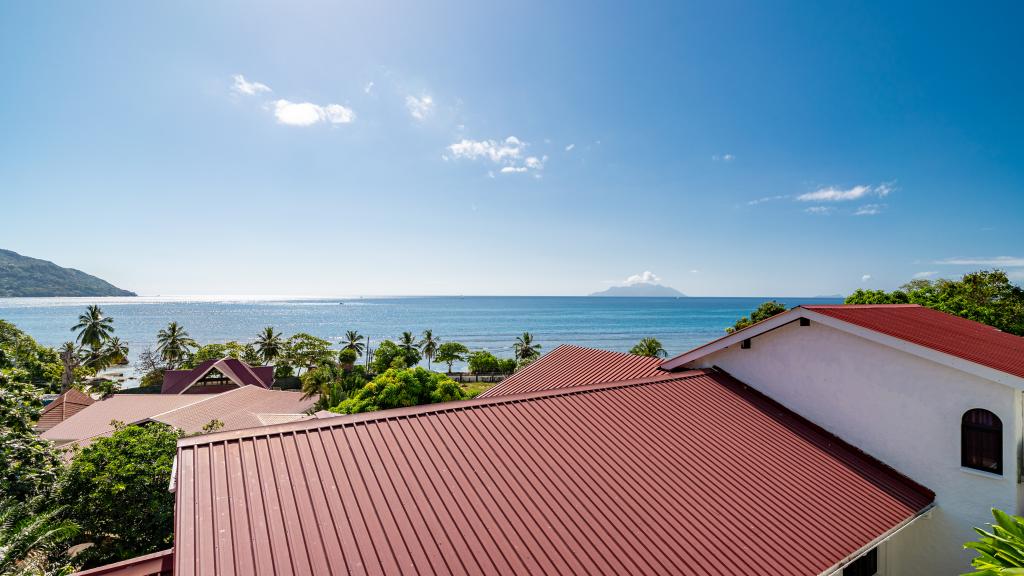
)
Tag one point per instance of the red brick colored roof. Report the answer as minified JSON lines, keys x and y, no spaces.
{"x":245,"y":407}
{"x":177,"y":381}
{"x":155,"y":564}
{"x":95,"y":419}
{"x":953,"y":335}
{"x":569,"y":365}
{"x":63,"y":407}
{"x":696,"y":474}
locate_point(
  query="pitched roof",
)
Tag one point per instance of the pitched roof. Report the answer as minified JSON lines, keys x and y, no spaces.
{"x":245,"y":407}
{"x":956,"y":339}
{"x":612,"y":478}
{"x":960,"y":337}
{"x":569,"y":365}
{"x":95,"y":419}
{"x":63,"y":407}
{"x":177,"y":381}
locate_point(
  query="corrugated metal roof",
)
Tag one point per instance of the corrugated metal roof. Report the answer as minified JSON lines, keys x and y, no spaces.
{"x":245,"y":407}
{"x":63,"y":407}
{"x":177,"y":381}
{"x":569,"y":365}
{"x":972,"y":341}
{"x":697,"y":474}
{"x":155,"y":564}
{"x":95,"y":419}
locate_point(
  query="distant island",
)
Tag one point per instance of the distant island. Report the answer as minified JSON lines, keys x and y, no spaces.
{"x":22,"y":277}
{"x":642,"y":290}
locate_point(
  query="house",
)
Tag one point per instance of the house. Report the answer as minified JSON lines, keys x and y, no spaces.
{"x":213,"y":376}
{"x":852,"y":440}
{"x":244,"y":407}
{"x":62,"y":407}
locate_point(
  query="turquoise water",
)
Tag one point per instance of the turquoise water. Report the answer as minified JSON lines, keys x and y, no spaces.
{"x":485,"y":322}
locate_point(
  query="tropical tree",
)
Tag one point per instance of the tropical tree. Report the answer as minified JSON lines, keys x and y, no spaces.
{"x":391,"y":355}
{"x":70,"y":359}
{"x":28,"y":464}
{"x":451,"y":352}
{"x":407,"y":342}
{"x":1000,"y":551}
{"x":764,"y":311}
{"x":174,"y":344}
{"x":33,"y":537}
{"x":483,"y":362}
{"x":354,"y":341}
{"x":650,"y":347}
{"x":428,"y":346}
{"x":396,"y":388}
{"x":114,"y":352}
{"x":524,"y":347}
{"x":269,"y":345}
{"x":305,"y":351}
{"x":93,"y":327}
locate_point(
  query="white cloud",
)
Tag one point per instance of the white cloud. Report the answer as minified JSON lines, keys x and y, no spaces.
{"x":869,"y":210}
{"x":928,"y":274}
{"x":1010,"y":261}
{"x":694,"y":271}
{"x":834,"y":194}
{"x":570,"y":147}
{"x":723,"y":157}
{"x":513,"y":169}
{"x":535,"y":163}
{"x":307,"y":113}
{"x":420,"y":107}
{"x":509,"y":153}
{"x":865,"y":278}
{"x":767,"y":199}
{"x":368,"y":88}
{"x":242,"y":86}
{"x":646,"y":277}
{"x":820,"y":210}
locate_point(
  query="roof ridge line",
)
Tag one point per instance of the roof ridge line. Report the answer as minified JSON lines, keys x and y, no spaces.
{"x":207,"y":398}
{"x":423,"y":409}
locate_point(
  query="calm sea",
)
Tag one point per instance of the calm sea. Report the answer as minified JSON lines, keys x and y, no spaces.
{"x":480,"y":322}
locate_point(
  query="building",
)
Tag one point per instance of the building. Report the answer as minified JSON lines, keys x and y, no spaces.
{"x":61,"y":408}
{"x":214,"y":376}
{"x":851,"y":440}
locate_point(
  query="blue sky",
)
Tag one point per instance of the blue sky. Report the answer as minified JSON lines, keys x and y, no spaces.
{"x":530,"y":148}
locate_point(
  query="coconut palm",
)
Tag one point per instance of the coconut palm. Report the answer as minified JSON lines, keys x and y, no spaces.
{"x":93,"y":327}
{"x":524,"y":347}
{"x":269,"y":345}
{"x":114,"y":352}
{"x":649,"y":347}
{"x":354,"y":341}
{"x":70,"y":358}
{"x":174,"y":344}
{"x":28,"y":540}
{"x":407,"y":342}
{"x":428,"y":345}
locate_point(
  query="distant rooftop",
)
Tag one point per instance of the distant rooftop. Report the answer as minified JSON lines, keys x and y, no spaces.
{"x":217,"y":376}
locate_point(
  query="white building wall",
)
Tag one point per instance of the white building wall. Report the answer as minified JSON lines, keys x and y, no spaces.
{"x":901,"y":409}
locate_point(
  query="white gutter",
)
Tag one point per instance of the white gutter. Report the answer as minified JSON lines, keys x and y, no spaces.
{"x":837,"y":568}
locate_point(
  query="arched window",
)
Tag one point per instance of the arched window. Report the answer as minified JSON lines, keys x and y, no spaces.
{"x":981,"y":441}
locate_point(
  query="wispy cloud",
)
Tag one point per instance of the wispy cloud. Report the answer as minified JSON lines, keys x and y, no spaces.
{"x":368,"y":88}
{"x":835,"y":194}
{"x":996,"y":261}
{"x":926,"y":274}
{"x":820,"y":210}
{"x":645,"y":277}
{"x":421,"y":107}
{"x":570,"y":147}
{"x":308,"y":114}
{"x":510,"y":153}
{"x":869,"y":210}
{"x":767,"y":199}
{"x":243,"y":86}
{"x":723,"y":157}
{"x":865,"y":278}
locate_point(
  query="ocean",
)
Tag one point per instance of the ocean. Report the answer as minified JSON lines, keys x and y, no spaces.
{"x":480,"y":322}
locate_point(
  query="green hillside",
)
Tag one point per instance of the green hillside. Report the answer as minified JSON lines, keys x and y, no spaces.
{"x":21,"y":276}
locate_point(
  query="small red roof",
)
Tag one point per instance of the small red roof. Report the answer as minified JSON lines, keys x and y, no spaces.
{"x":177,"y":381}
{"x":697,"y":474}
{"x":568,"y":366}
{"x":63,"y":407}
{"x":953,"y":335}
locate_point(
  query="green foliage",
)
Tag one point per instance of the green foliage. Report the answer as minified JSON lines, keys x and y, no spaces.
{"x":305,"y":351}
{"x":483,"y":362}
{"x":986,"y":296}
{"x":386,"y":354}
{"x":764,"y":311}
{"x":1000,"y":551}
{"x":354,"y":341}
{"x":174,"y":345}
{"x":333,"y":383}
{"x":244,"y":352}
{"x":428,"y":346}
{"x":94,"y":328}
{"x":399,"y":388}
{"x":450,"y":353}
{"x":29,"y":463}
{"x":24,"y":360}
{"x":649,"y":347}
{"x":116,"y":491}
{"x":524,"y":347}
{"x":508,"y":366}
{"x":269,"y":345}
{"x":347,"y":357}
{"x":33,"y":538}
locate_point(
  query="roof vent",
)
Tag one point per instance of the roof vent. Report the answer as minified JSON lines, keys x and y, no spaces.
{"x":745,"y":344}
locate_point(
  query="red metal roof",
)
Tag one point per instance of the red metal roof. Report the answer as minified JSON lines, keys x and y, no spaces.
{"x":569,"y":365}
{"x":953,"y":335}
{"x":177,"y":381}
{"x":156,"y":564}
{"x":63,"y":407}
{"x":696,"y":474}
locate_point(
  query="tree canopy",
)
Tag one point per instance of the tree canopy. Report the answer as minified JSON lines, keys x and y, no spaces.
{"x":397,"y":388}
{"x":650,"y":347}
{"x":451,"y":352}
{"x":29,"y":463}
{"x":986,"y":296}
{"x":764,"y":311}
{"x":388,"y":352}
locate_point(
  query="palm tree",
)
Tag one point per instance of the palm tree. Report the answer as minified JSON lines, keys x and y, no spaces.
{"x":354,"y":341}
{"x":174,"y":344}
{"x":70,"y":358}
{"x":407,"y":342}
{"x":429,"y":346}
{"x":524,"y":347}
{"x":649,"y":347}
{"x":29,"y":540}
{"x":93,"y":327}
{"x":269,"y":345}
{"x":114,"y":352}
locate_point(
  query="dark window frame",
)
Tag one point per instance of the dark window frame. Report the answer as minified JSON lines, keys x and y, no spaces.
{"x":981,"y":441}
{"x":866,"y":565}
